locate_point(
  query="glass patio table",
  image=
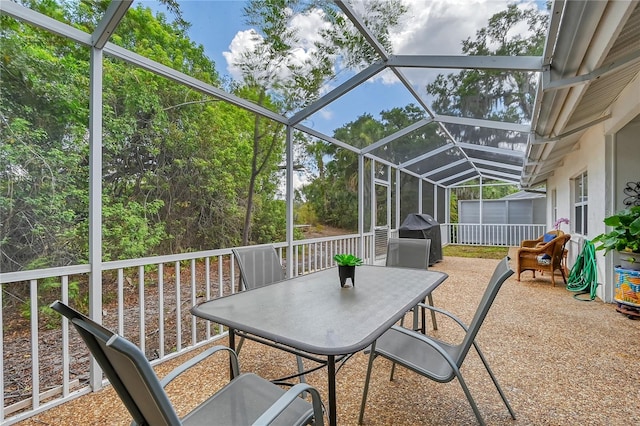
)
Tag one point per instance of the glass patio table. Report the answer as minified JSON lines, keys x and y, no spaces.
{"x":311,"y":315}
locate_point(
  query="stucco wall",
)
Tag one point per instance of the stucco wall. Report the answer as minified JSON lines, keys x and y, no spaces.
{"x":610,"y":154}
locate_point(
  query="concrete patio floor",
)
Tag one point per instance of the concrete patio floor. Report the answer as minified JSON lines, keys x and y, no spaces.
{"x":560,"y":361}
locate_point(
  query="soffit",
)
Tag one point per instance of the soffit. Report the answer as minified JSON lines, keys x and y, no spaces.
{"x":596,"y":56}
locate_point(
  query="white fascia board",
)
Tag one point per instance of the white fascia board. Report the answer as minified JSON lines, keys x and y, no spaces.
{"x":491,"y":124}
{"x":42,"y":21}
{"x":501,"y":151}
{"x":112,"y":17}
{"x":509,"y":63}
{"x":182,"y":78}
{"x":398,"y":134}
{"x":342,"y":89}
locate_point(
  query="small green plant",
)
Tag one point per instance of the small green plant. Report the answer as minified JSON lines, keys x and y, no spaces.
{"x":347,"y":260}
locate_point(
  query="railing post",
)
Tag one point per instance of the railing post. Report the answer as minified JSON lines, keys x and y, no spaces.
{"x":95,"y":202}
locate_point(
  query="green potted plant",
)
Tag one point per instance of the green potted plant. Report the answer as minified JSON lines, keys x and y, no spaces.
{"x":624,"y":237}
{"x":347,"y":267}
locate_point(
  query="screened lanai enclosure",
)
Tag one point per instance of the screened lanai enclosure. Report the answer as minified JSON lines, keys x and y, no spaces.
{"x":143,"y":140}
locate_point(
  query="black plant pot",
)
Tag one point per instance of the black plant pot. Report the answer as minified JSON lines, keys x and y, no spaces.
{"x":347,"y":272}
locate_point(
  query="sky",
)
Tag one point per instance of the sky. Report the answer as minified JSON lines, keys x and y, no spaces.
{"x":431,"y":27}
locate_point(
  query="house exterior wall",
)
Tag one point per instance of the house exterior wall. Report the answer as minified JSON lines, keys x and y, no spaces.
{"x":610,"y":154}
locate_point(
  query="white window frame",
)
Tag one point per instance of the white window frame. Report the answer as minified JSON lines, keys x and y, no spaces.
{"x":580,"y":203}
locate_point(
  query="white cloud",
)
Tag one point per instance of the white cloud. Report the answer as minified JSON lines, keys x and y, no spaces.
{"x":438,"y":27}
{"x":307,"y":26}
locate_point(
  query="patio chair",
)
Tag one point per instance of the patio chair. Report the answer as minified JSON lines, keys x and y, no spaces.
{"x":543,"y":256}
{"x":543,"y":239}
{"x":246,"y":399}
{"x":435,"y":359}
{"x":411,"y":253}
{"x":260,"y":266}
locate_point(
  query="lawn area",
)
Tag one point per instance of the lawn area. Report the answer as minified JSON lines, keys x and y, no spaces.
{"x":479,"y":252}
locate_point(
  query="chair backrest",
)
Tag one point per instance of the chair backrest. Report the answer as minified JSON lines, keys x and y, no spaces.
{"x":127,"y":369}
{"x":558,"y":248}
{"x":500,"y":275}
{"x":408,"y":253}
{"x":259,"y":266}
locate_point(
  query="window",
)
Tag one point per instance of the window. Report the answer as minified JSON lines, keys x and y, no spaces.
{"x":580,"y":204}
{"x":554,"y":206}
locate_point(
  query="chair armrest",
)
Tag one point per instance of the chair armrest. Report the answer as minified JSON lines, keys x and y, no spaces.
{"x":445,"y":313}
{"x":547,"y":248}
{"x":201,"y":357}
{"x":285,"y":400}
{"x":530,"y":243}
{"x":428,"y":341}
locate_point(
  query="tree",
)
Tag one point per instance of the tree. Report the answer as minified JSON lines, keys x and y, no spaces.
{"x":334,"y":192}
{"x":278,"y":78}
{"x":167,"y":183}
{"x":496,"y":95}
{"x":43,"y":120}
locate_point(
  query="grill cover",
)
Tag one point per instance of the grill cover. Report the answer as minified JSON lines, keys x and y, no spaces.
{"x":423,"y":226}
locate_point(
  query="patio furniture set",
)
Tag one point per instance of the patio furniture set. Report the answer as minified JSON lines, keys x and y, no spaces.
{"x":310,"y":316}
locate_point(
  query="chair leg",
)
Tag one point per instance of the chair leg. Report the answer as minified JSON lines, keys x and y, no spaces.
{"x":301,"y":369}
{"x":495,"y":381}
{"x":372,"y":356}
{"x":467,"y":393}
{"x":393,"y":370}
{"x":239,"y":345}
{"x":433,"y":315}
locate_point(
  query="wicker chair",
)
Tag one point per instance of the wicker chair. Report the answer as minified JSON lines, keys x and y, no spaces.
{"x":538,"y":255}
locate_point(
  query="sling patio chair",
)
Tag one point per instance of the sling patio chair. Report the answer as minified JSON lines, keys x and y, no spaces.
{"x":260,"y":266}
{"x":411,"y":253}
{"x":435,"y":359}
{"x":246,"y":399}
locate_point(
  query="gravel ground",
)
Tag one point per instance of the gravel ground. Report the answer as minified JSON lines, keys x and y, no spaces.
{"x":560,"y":361}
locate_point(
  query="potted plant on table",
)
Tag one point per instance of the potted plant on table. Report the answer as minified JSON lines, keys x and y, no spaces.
{"x":347,"y":267}
{"x":624,"y":237}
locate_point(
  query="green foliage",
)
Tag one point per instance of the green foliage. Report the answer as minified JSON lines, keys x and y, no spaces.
{"x":490,"y":94}
{"x":129,"y":233}
{"x":49,"y":290}
{"x":333,"y":195}
{"x":625,"y":235}
{"x":306,"y":215}
{"x":263,"y":69}
{"x":347,"y":259}
{"x":176,"y":163}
